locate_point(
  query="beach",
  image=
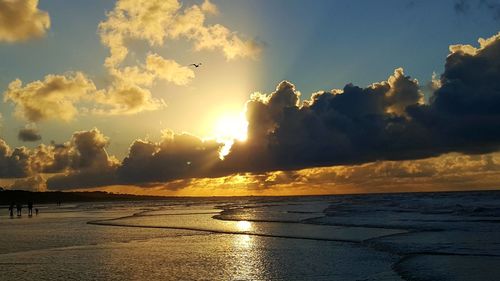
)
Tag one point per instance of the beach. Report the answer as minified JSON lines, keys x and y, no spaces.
{"x":413,"y":236}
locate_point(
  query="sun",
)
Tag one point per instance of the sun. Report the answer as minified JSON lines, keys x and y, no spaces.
{"x":229,"y":128}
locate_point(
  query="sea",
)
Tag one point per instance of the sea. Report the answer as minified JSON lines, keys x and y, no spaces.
{"x":405,"y":236}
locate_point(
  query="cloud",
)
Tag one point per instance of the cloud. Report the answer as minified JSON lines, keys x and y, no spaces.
{"x":209,"y":7}
{"x":447,"y":172}
{"x":155,"y":22}
{"x":21,"y":20}
{"x":352,"y":125}
{"x":83,"y":156}
{"x":169,"y":70}
{"x":350,"y":137}
{"x":87,"y":161}
{"x":89,"y":150}
{"x":126,"y":99}
{"x":53,"y":158}
{"x":84,"y":162}
{"x":463,"y":112}
{"x":29,"y":134}
{"x":159,"y":20}
{"x":63,"y":97}
{"x":143,"y":20}
{"x":35,"y":183}
{"x":386,"y":121}
{"x":14,"y":163}
{"x":53,"y":98}
{"x":444,"y":173}
{"x":174,"y":157}
{"x":128,"y":92}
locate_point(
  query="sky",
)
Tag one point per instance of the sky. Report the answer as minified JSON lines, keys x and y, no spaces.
{"x":291,"y":97}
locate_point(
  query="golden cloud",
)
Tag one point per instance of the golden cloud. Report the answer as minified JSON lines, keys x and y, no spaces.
{"x":169,"y":70}
{"x":126,"y":98}
{"x":447,"y":172}
{"x":158,"y":20}
{"x":21,"y":20}
{"x":471,"y":50}
{"x":53,"y":98}
{"x":154,"y":21}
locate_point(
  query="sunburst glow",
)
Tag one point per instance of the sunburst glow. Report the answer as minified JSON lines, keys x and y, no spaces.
{"x":232,"y":127}
{"x":229,"y":128}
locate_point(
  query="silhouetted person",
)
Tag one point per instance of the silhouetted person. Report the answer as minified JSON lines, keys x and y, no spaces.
{"x":11,"y":209}
{"x":19,"y":209}
{"x":30,"y":208}
{"x":36,"y":211}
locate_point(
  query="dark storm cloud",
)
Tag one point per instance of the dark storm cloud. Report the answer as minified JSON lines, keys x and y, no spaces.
{"x":88,"y":163}
{"x":23,"y":162}
{"x":53,"y":158}
{"x":384,"y":121}
{"x":14,"y":163}
{"x":83,"y":157}
{"x":175,"y":157}
{"x":85,"y":152}
{"x":464,"y":113}
{"x":29,"y":134}
{"x":353,"y":125}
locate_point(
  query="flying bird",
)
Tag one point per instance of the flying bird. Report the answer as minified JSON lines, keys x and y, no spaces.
{"x":195,"y":65}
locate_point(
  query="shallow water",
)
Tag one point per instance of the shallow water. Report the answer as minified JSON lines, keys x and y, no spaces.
{"x":365,"y":237}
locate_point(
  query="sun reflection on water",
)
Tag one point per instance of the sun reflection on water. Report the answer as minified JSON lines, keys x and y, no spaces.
{"x":244,"y":241}
{"x":247,"y":256}
{"x":244,"y":225}
{"x":247,"y":260}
